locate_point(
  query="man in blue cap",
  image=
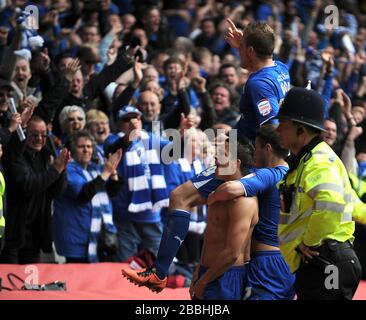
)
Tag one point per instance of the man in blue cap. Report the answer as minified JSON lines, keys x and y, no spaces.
{"x":136,"y":208}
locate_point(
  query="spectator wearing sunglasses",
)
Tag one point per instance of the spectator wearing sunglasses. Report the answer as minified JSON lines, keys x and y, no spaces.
{"x":136,"y":208}
{"x":33,"y":178}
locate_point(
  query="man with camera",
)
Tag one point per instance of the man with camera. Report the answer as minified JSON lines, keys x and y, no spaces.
{"x":316,"y":227}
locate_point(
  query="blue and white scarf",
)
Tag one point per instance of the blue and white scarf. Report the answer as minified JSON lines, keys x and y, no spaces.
{"x":145,"y":174}
{"x":197,"y":217}
{"x":101,"y":213}
{"x":30,"y":39}
{"x":100,"y":154}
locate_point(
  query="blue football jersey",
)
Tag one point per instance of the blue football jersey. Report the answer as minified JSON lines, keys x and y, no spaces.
{"x":206,"y":182}
{"x":262,"y":95}
{"x":263,"y":183}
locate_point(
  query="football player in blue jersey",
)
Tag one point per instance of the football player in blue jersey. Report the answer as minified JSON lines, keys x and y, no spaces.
{"x":268,"y":81}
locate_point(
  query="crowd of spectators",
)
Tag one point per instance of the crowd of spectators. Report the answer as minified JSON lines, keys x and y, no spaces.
{"x":105,"y":70}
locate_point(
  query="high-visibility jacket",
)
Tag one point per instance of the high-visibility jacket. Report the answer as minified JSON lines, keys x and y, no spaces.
{"x":322,"y":204}
{"x":2,"y":190}
{"x":358,"y":184}
{"x":359,"y":210}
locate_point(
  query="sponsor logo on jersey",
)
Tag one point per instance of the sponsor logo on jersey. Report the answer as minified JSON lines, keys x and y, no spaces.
{"x":264,"y":107}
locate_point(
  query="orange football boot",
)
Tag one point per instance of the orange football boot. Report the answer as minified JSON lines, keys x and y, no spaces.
{"x":145,"y":277}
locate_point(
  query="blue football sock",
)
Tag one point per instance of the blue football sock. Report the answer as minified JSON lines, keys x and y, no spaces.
{"x":173,"y":235}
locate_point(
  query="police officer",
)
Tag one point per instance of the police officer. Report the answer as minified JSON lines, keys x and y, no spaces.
{"x":316,"y":227}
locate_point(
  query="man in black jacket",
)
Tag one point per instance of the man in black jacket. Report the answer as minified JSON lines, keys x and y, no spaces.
{"x":32,"y":182}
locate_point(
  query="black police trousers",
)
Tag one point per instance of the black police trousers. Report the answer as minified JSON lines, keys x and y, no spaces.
{"x":333,"y":275}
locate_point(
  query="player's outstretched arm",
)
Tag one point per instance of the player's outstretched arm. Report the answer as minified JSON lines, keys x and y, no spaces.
{"x":185,"y":197}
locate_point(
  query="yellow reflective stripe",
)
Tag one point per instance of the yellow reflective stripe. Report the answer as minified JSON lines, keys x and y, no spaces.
{"x":329,"y":206}
{"x":2,"y":184}
{"x":2,"y":226}
{"x":291,"y":236}
{"x":326,"y":186}
{"x":288,"y":219}
{"x":347,"y":217}
{"x":1,"y":213}
{"x":349,"y":198}
{"x":319,"y":152}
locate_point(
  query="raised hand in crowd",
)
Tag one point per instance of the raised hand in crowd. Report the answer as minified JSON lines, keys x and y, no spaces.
{"x":175,"y":82}
{"x":62,"y":160}
{"x":15,"y":120}
{"x":186,"y":122}
{"x":354,"y":133}
{"x":44,"y":61}
{"x":207,"y":9}
{"x":137,"y":73}
{"x":110,"y":166}
{"x":117,"y":28}
{"x":233,"y":35}
{"x":71,"y":68}
{"x":346,"y":106}
{"x":299,"y":52}
{"x":328,"y":61}
{"x":112,"y":55}
{"x":25,"y":103}
{"x":182,"y":81}
{"x":199,"y":84}
{"x":27,"y":113}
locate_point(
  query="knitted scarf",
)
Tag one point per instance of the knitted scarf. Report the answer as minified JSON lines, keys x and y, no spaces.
{"x":145,"y":174}
{"x":101,"y":213}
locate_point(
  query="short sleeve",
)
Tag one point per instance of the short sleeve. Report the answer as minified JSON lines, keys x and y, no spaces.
{"x":265,"y":100}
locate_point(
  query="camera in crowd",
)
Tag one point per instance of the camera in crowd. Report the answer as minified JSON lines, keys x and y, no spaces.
{"x":131,"y":43}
